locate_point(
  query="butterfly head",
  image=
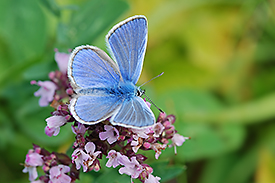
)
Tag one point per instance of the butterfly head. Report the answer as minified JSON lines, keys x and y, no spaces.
{"x":139,"y":92}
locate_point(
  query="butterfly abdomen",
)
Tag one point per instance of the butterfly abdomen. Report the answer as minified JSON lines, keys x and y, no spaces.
{"x":125,"y":90}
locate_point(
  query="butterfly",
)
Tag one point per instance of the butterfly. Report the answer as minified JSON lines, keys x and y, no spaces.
{"x":107,"y":89}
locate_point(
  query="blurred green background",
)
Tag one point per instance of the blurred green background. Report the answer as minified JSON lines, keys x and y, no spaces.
{"x":218,"y":59}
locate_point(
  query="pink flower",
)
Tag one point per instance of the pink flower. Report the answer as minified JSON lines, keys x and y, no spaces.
{"x":85,"y":159}
{"x":46,"y":92}
{"x":62,"y":60}
{"x":146,"y":171}
{"x":80,"y":129}
{"x":157,"y":148}
{"x":152,"y":179}
{"x":32,"y":172}
{"x":147,"y":145}
{"x":79,"y":157}
{"x":37,"y":181}
{"x":161,"y":117}
{"x":158,"y":129}
{"x":53,"y":125}
{"x":137,"y":143}
{"x":178,"y":140}
{"x":51,"y":131}
{"x":111,"y":134}
{"x":142,"y":132}
{"x":57,"y":174}
{"x":114,"y":159}
{"x":33,"y":159}
{"x":132,"y":168}
{"x":90,"y":149}
{"x":95,"y":166}
{"x":171,"y":118}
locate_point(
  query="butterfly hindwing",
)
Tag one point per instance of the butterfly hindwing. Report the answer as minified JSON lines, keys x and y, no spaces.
{"x":134,"y":113}
{"x":127,"y":43}
{"x":91,"y":109}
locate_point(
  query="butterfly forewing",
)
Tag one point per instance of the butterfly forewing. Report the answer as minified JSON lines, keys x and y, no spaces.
{"x":91,"y":67}
{"x":127,"y":43}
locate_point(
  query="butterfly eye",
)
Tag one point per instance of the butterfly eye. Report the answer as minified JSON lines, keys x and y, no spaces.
{"x":140,"y":92}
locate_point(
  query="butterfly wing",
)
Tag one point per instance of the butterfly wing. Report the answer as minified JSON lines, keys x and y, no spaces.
{"x":127,"y":44}
{"x":92,"y":109}
{"x":90,"y":67}
{"x":91,"y":71}
{"x":134,"y":113}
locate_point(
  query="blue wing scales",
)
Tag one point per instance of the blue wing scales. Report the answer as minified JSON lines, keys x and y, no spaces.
{"x":91,"y":67}
{"x":133,"y":113}
{"x":91,"y":109}
{"x":127,"y":43}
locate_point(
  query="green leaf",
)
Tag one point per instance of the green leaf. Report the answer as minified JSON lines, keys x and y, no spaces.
{"x":165,"y":171}
{"x":51,"y":6}
{"x":23,"y":37}
{"x":207,"y":140}
{"x":112,"y":176}
{"x":216,"y":169}
{"x":24,"y":27}
{"x":89,"y":21}
{"x":254,"y":111}
{"x":244,"y":167}
{"x":15,"y":72}
{"x":41,"y":70}
{"x":7,"y":131}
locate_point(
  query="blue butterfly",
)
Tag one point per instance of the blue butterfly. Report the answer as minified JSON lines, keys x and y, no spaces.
{"x":105,"y":88}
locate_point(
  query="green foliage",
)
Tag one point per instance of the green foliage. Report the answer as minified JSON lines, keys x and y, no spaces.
{"x":29,"y":32}
{"x":166,"y":172}
{"x":219,"y":81}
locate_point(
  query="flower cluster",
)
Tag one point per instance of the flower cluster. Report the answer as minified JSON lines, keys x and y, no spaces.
{"x":120,"y":145}
{"x":56,"y":166}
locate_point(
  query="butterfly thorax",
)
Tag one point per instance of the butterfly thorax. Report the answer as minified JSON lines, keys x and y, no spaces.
{"x":124,"y":89}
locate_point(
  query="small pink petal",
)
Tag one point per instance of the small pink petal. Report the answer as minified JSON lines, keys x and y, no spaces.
{"x":56,"y":121}
{"x":46,"y":91}
{"x":90,"y":147}
{"x":62,"y":60}
{"x":152,"y":179}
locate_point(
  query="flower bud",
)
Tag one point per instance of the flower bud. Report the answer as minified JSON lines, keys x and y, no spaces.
{"x":146,"y":145}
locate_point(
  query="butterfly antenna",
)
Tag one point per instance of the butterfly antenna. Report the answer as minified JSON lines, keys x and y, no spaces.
{"x":152,"y":79}
{"x":152,"y":102}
